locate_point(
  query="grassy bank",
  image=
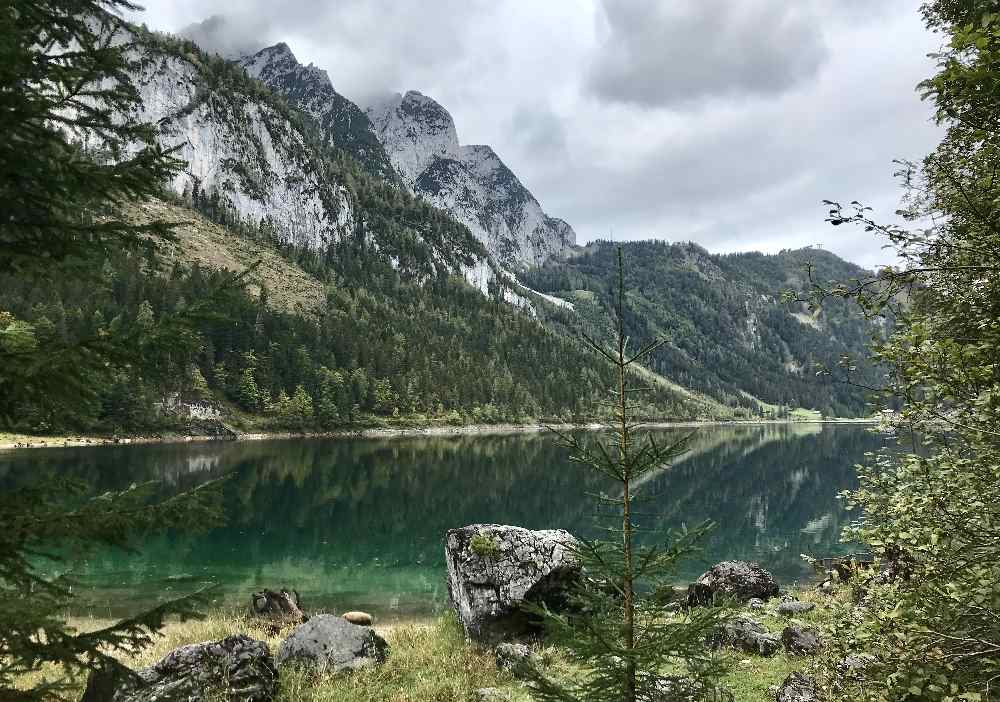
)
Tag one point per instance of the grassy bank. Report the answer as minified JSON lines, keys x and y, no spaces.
{"x":432,"y":662}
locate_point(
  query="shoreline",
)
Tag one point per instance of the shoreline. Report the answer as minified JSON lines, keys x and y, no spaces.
{"x":13,"y":442}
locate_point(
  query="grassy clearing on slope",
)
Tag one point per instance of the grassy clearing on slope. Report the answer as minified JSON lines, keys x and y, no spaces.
{"x":213,"y":247}
{"x":431,"y":662}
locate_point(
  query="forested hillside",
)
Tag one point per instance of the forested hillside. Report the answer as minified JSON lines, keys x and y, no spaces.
{"x":309,"y":342}
{"x":729,"y":333}
{"x":359,"y":300}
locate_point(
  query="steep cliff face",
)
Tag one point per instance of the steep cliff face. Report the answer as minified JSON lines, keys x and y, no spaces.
{"x":470,"y":182}
{"x":308,"y":89}
{"x":239,"y":147}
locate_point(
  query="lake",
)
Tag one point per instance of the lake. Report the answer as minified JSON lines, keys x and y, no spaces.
{"x":360,"y":523}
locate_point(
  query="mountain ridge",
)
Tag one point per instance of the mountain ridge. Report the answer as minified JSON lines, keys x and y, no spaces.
{"x":342,"y":123}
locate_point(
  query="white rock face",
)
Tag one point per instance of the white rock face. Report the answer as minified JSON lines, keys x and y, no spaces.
{"x":493,"y":569}
{"x":470,"y":182}
{"x":241,"y":148}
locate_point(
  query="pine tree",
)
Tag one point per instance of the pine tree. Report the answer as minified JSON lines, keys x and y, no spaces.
{"x":248,"y":393}
{"x":67,"y":162}
{"x":617,"y":633}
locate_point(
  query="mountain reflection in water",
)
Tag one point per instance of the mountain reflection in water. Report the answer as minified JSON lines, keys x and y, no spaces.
{"x":359,"y":523}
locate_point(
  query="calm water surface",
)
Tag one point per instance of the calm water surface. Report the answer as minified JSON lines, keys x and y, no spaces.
{"x":359,"y":524}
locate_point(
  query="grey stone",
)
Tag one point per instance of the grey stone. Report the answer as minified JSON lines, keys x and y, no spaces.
{"x":798,"y":688}
{"x":281,"y":608}
{"x":491,"y":694}
{"x":359,"y":618}
{"x":327,"y":643}
{"x":853,"y":667}
{"x":801,"y":641}
{"x":738,"y":580}
{"x":516,"y":658}
{"x":493,"y":570}
{"x":681,"y":689}
{"x":670,"y":594}
{"x":235,"y":668}
{"x":794,"y":607}
{"x":746,"y":635}
{"x":755,"y":603}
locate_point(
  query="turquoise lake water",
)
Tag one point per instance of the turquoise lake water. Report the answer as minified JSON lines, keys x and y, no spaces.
{"x":360,"y":523}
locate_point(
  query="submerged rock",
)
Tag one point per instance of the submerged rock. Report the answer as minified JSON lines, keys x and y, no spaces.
{"x":235,"y":668}
{"x":738,"y":580}
{"x":327,"y":643}
{"x":798,"y":688}
{"x":493,"y":570}
{"x":746,"y":635}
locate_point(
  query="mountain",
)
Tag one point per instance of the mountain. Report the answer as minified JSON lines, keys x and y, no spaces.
{"x":342,"y":124}
{"x":361,"y":307}
{"x":470,"y":182}
{"x":414,"y":138}
{"x":728,"y":333}
{"x":260,"y":165}
{"x":255,"y":163}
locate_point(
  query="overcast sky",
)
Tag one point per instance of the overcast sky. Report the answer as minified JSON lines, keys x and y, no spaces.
{"x":724,"y":122}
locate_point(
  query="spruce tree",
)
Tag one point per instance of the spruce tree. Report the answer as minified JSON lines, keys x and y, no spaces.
{"x":628,"y":647}
{"x":70,"y":157}
{"x":67,"y":160}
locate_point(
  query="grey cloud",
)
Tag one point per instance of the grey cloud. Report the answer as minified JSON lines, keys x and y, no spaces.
{"x":231,"y":37}
{"x":670,"y":53}
{"x":537,"y":130}
{"x":367,"y":46}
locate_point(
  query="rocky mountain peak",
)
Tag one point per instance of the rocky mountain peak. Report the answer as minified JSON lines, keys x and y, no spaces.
{"x":411,"y":137}
{"x":309,"y":89}
{"x":471,"y":181}
{"x":418,"y":129}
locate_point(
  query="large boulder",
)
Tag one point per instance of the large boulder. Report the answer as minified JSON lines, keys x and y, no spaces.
{"x":745,"y":634}
{"x":235,"y":668}
{"x":493,"y":570}
{"x":327,"y":643}
{"x":738,"y":580}
{"x":798,"y":688}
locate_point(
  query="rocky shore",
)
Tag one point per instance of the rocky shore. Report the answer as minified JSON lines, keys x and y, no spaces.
{"x":10,"y":441}
{"x":772,"y":635}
